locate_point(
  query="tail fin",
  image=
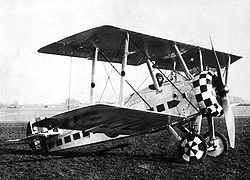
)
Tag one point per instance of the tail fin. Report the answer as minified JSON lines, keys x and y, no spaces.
{"x":31,"y":130}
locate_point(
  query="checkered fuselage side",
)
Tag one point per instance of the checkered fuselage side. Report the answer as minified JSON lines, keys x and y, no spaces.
{"x":205,"y":94}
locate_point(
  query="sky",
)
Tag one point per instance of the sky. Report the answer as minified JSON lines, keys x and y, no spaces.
{"x":27,"y":76}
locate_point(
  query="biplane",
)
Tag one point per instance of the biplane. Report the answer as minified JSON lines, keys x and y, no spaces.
{"x":195,"y":89}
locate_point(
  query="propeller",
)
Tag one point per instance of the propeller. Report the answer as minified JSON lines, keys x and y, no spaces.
{"x":223,"y":91}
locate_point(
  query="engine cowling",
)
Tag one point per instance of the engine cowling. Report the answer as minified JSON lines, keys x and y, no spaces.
{"x":204,"y":88}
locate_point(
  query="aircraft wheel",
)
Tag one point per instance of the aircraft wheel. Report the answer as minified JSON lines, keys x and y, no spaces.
{"x":220,"y":146}
{"x":192,"y":148}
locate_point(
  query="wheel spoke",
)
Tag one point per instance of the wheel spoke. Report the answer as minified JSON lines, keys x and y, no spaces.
{"x":219,"y":146}
{"x":192,"y":148}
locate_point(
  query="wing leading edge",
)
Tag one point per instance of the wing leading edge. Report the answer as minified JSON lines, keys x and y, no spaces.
{"x":109,"y":40}
{"x":102,"y":118}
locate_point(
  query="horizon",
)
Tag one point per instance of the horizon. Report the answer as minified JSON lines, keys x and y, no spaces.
{"x":235,"y":99}
{"x":29,"y":77}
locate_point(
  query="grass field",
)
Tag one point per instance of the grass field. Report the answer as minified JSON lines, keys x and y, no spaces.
{"x":144,"y":157}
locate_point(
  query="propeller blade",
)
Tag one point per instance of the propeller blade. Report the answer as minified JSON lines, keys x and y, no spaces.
{"x":230,"y":122}
{"x":218,"y":67}
{"x":223,"y":90}
{"x":227,"y":69}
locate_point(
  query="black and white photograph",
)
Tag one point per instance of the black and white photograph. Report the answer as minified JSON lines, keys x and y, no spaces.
{"x":128,"y":89}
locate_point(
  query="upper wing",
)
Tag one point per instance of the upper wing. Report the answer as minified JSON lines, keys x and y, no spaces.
{"x":104,"y":118}
{"x":109,"y":40}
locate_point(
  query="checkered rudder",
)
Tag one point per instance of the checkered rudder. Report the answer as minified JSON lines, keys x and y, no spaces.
{"x":205,"y":94}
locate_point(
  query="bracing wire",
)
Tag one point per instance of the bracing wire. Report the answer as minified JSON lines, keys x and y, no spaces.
{"x":125,"y":80}
{"x":68,"y":102}
{"x":164,"y":75}
{"x":108,"y":80}
{"x":105,"y":86}
{"x":110,"y":75}
{"x":137,"y":89}
{"x":143,"y":82}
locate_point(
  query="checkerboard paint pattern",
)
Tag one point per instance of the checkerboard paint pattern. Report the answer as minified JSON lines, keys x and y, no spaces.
{"x":205,"y":94}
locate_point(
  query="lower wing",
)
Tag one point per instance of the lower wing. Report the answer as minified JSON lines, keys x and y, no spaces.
{"x":103,"y":118}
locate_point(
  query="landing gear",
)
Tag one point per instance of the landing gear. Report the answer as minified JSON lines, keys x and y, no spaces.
{"x":44,"y":147}
{"x":192,"y":148}
{"x":39,"y":146}
{"x":32,"y":146}
{"x":216,"y":142}
{"x":217,"y":147}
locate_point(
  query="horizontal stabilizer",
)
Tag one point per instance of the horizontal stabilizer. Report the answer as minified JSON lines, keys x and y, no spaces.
{"x":28,"y":139}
